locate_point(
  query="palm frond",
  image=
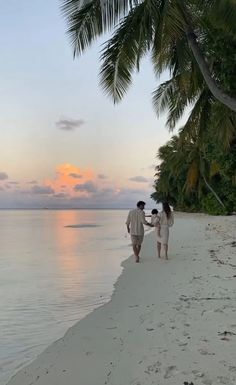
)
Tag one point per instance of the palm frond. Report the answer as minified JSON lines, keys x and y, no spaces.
{"x":174,"y":95}
{"x":199,"y":118}
{"x":124,"y":50}
{"x":169,"y":29}
{"x":223,"y":14}
{"x":88,"y":19}
{"x":192,"y":176}
{"x":223,"y":123}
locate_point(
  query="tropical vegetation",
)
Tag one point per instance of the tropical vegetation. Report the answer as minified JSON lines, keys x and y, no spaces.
{"x":195,"y":41}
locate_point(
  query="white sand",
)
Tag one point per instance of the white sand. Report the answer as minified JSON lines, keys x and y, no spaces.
{"x":164,"y":321}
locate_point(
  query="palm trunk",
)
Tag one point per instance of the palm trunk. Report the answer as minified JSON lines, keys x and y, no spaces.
{"x":213,"y":192}
{"x":203,"y":66}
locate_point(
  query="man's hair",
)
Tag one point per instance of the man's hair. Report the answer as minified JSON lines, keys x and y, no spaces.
{"x":140,"y":203}
{"x":154,"y":211}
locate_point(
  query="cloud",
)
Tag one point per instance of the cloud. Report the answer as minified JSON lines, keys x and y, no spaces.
{"x":88,"y":187}
{"x":65,"y":176}
{"x":14,"y":183}
{"x":3,"y":176}
{"x":32,"y":182}
{"x":139,"y":179}
{"x":69,"y":124}
{"x":60,"y":195}
{"x":102,"y":176}
{"x":42,"y":190}
{"x":112,"y":198}
{"x":76,"y":176}
{"x":109,"y":197}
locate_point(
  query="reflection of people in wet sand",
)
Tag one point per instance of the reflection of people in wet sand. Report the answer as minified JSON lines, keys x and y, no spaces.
{"x":135,"y":221}
{"x":165,"y":220}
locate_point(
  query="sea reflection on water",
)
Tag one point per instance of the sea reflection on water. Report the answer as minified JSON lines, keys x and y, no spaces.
{"x":52,"y":275}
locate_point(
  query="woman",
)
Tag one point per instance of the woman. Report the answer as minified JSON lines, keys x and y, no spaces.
{"x":166,"y":220}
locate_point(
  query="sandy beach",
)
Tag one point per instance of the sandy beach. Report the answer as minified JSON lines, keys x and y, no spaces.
{"x":168,"y":322}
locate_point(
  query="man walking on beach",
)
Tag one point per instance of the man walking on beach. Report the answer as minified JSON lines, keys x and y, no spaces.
{"x":135,"y":221}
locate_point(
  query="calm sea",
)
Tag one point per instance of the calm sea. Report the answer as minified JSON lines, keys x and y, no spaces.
{"x":55,"y":267}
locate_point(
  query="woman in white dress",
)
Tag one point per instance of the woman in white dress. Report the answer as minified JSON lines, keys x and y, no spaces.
{"x":166,"y":220}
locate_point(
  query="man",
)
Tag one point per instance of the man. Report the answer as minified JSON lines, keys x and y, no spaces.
{"x":135,"y":221}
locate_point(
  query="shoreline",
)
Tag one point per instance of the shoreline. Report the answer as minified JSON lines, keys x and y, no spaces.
{"x":163,"y":322}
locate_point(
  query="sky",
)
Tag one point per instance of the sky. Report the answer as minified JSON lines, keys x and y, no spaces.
{"x":63,"y":142}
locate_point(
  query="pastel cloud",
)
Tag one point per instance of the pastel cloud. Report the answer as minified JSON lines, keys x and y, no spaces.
{"x":43,"y":196}
{"x":42,"y":190}
{"x":102,"y":176}
{"x":69,"y":124}
{"x":65,"y":176}
{"x":3,"y":175}
{"x":74,"y":175}
{"x":60,"y":195}
{"x":139,"y":179}
{"x":32,"y":182}
{"x":88,"y":187}
{"x":73,"y":187}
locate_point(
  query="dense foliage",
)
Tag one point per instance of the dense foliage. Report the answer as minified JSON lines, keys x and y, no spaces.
{"x":195,"y":41}
{"x":197,"y":180}
{"x":197,"y":170}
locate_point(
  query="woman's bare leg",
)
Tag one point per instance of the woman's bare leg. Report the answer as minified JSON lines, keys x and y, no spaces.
{"x":159,"y":249}
{"x":166,"y":251}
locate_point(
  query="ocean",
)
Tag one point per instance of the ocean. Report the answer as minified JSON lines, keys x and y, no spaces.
{"x":56,"y":266}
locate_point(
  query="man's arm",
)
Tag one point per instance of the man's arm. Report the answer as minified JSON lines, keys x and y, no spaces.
{"x":145,"y":222}
{"x":128,"y":223}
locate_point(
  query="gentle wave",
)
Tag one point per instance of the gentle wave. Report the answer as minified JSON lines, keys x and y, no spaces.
{"x":83,"y":225}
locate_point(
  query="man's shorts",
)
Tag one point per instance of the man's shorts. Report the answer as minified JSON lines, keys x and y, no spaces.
{"x":137,"y":240}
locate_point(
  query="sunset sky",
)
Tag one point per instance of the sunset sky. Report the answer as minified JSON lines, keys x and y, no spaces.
{"x":63,"y":142}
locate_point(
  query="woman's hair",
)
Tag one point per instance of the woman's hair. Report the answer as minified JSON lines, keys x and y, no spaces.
{"x":154,"y":211}
{"x":166,"y":209}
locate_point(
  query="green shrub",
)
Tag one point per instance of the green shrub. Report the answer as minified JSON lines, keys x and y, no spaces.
{"x":210,"y":205}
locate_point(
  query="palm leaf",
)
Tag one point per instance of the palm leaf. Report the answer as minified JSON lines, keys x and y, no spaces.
{"x":88,"y":19}
{"x":124,"y":50}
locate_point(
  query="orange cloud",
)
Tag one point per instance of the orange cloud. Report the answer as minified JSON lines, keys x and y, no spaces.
{"x":68,"y":176}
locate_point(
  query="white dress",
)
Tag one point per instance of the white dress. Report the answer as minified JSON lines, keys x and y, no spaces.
{"x":165,"y":223}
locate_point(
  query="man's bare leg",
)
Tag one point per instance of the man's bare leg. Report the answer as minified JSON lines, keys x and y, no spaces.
{"x":159,"y":249}
{"x":136,"y":252}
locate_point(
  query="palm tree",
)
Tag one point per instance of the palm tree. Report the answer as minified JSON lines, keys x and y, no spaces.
{"x":173,"y":31}
{"x":185,"y":167}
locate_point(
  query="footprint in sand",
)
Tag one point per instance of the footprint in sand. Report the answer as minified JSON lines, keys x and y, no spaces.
{"x":183,"y":343}
{"x":207,"y":381}
{"x":170,"y":371}
{"x":198,"y":374}
{"x":160,"y":324}
{"x":204,"y":352}
{"x":224,"y":380}
{"x":154,"y":368}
